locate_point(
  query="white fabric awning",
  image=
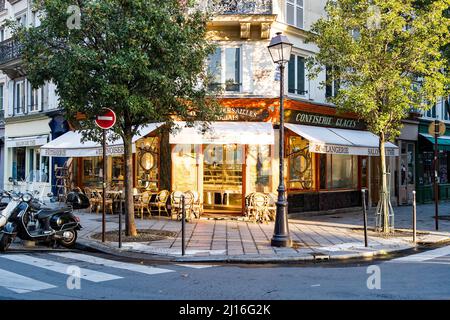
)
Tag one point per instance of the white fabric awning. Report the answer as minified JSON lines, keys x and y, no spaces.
{"x":28,"y":141}
{"x":342,"y":141}
{"x":225,"y":133}
{"x":70,"y":144}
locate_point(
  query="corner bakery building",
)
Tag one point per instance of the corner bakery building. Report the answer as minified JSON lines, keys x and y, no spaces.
{"x":329,"y":158}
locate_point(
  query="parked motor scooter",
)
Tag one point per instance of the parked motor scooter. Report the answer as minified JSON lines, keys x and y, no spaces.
{"x":29,"y":221}
{"x":6,"y":211}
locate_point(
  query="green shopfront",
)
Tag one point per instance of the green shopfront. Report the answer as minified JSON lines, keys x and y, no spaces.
{"x":424,"y":165}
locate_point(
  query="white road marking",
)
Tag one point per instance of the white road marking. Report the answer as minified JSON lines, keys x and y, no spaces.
{"x":86,"y":274}
{"x":196,"y":266}
{"x":21,"y":284}
{"x":111,"y":263}
{"x":424,"y":256}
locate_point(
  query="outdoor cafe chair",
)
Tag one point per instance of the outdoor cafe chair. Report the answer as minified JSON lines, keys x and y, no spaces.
{"x":160,"y":202}
{"x":175,"y":203}
{"x":143,"y":203}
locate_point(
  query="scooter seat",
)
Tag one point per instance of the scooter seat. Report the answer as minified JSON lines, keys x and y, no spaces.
{"x":47,"y":212}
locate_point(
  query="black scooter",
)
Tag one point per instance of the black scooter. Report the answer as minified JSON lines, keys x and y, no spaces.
{"x":30,"y":222}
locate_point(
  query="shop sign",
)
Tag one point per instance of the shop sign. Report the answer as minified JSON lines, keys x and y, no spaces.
{"x":26,"y":142}
{"x":360,"y":151}
{"x":54,"y":152}
{"x":110,"y":150}
{"x":245,"y":114}
{"x":312,"y":119}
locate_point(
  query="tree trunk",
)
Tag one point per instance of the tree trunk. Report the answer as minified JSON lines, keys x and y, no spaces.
{"x":130,"y":225}
{"x":384,"y":197}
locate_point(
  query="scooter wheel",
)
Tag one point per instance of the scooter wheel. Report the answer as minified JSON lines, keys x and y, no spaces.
{"x":5,"y":241}
{"x":69,"y":242}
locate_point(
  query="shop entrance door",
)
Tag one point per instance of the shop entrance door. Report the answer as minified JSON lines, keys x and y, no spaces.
{"x":407,"y":183}
{"x":222,"y":178}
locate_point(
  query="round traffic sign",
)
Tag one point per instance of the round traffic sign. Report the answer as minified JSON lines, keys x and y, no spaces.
{"x":106,"y":119}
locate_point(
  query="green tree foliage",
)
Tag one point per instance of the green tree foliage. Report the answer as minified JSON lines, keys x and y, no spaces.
{"x":142,"y":58}
{"x":387,"y":56}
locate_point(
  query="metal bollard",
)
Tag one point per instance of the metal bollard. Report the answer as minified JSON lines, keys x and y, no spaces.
{"x":120,"y":220}
{"x":365,"y":216}
{"x":414,"y":216}
{"x":183,"y":224}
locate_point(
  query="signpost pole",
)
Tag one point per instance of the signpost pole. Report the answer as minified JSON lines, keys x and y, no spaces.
{"x":436,"y":168}
{"x":104,"y":187}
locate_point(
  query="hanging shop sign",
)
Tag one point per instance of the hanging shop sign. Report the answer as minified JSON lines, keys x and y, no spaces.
{"x":314,"y":119}
{"x":245,"y":114}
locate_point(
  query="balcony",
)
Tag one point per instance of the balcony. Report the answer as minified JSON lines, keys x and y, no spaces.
{"x":10,"y":58}
{"x":240,"y":7}
{"x":237,"y":19}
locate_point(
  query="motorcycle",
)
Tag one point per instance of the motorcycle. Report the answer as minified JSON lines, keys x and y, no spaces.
{"x":29,"y":221}
{"x":7,"y":208}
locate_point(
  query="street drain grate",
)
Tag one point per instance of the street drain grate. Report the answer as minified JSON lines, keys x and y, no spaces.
{"x":320,"y":256}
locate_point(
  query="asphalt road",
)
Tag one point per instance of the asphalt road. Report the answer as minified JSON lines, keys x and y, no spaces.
{"x":80,"y":275}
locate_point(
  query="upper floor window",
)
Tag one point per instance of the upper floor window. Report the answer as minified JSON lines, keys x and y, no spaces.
{"x":294,"y":13}
{"x":2,"y":34}
{"x":296,"y":75}
{"x":19,"y":94}
{"x":331,"y":86}
{"x":431,"y":113}
{"x":1,"y":97}
{"x":34,"y":101}
{"x":2,"y":5}
{"x":224,"y":65}
{"x":22,"y":20}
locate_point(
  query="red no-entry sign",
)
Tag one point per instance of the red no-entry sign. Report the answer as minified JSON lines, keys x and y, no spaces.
{"x":106,"y":119}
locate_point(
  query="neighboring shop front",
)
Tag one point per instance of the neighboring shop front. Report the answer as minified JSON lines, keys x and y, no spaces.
{"x":405,"y":174}
{"x":331,"y":158}
{"x":23,"y":159}
{"x":425,"y":156}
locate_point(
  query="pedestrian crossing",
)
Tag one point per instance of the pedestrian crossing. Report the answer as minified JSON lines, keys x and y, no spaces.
{"x":436,"y":256}
{"x":92,"y":269}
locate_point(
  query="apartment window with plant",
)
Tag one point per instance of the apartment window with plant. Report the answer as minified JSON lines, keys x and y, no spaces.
{"x":295,"y":13}
{"x":224,"y":67}
{"x":296,"y":75}
{"x":19,"y":97}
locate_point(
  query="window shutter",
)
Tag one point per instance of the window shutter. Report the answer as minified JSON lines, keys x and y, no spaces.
{"x":291,"y":74}
{"x":247,"y":71}
{"x":10,"y":98}
{"x":300,"y":75}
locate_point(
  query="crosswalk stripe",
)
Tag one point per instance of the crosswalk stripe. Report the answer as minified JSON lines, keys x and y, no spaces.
{"x":196,"y":266}
{"x":21,"y":284}
{"x":86,"y":274}
{"x":424,"y":256}
{"x":111,"y":263}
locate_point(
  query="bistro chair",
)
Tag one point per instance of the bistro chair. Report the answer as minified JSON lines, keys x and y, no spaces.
{"x":257,"y":207}
{"x":99,"y":200}
{"x":175,"y":203}
{"x":160,"y":202}
{"x":143,"y":203}
{"x":188,"y":206}
{"x":92,"y":199}
{"x":197,"y":206}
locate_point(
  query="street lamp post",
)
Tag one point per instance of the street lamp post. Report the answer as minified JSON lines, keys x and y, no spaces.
{"x":280,"y":51}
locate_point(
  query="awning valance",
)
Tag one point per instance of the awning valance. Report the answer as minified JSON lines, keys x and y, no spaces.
{"x":28,"y":141}
{"x":225,"y":133}
{"x":70,"y":144}
{"x":341,"y":141}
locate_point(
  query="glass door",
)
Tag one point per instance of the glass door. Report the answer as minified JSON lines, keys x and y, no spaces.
{"x":222,"y":178}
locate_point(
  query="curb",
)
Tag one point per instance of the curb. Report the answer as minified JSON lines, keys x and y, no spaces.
{"x":313,"y":257}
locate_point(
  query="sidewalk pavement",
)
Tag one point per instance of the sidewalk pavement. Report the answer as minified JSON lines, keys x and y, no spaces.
{"x":331,"y":237}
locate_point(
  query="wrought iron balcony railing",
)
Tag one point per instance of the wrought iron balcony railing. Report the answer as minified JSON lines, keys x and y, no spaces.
{"x":240,"y":7}
{"x":10,"y":49}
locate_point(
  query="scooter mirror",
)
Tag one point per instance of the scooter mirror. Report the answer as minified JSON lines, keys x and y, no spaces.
{"x":50,"y":194}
